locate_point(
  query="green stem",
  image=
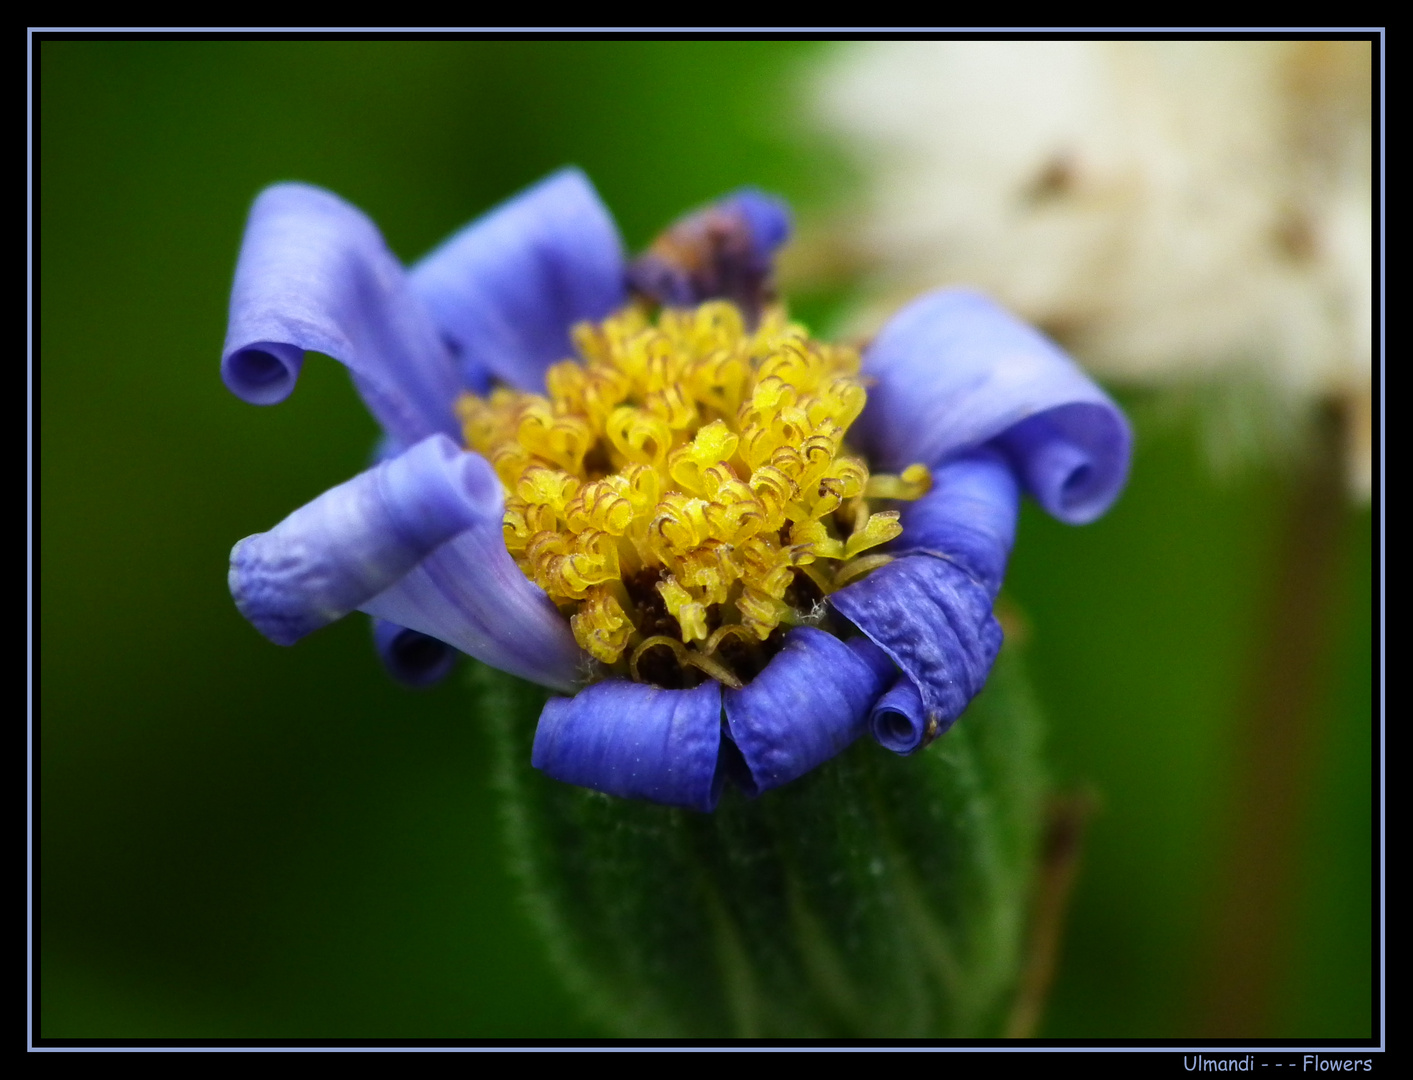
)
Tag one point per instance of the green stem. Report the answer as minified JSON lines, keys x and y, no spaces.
{"x":1278,"y":728}
{"x":1067,"y":818}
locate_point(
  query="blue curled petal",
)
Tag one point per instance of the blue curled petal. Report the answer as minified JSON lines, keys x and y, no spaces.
{"x":969,"y":517}
{"x":725,"y":250}
{"x":934,"y":621}
{"x":506,"y":289}
{"x":315,"y":275}
{"x":469,"y":593}
{"x":635,"y":741}
{"x":355,"y":540}
{"x":767,"y":217}
{"x":954,"y":370}
{"x":811,"y":702}
{"x":899,"y":719}
{"x":410,"y":657}
{"x":1064,"y":464}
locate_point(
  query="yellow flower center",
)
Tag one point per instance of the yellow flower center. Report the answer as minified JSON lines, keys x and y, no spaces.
{"x":683,"y":491}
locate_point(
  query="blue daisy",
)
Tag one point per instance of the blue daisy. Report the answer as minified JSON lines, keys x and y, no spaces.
{"x":729,"y":549}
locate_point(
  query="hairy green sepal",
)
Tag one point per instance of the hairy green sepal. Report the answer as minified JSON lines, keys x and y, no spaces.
{"x":876,"y":897}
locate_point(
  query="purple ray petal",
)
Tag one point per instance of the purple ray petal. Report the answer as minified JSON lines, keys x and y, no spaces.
{"x":955,"y":370}
{"x":635,"y":741}
{"x":355,"y":540}
{"x":722,"y":251}
{"x":506,"y":289}
{"x":768,"y":217}
{"x":811,"y":701}
{"x":412,"y":658}
{"x":969,"y":517}
{"x":384,"y":449}
{"x":934,"y":621}
{"x":899,"y":720}
{"x":315,"y":275}
{"x":1063,"y":463}
{"x":469,"y":593}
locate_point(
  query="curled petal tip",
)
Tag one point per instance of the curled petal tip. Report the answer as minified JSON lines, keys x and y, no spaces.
{"x":315,"y":275}
{"x":954,"y":370}
{"x":411,"y":657}
{"x":254,"y":581}
{"x":899,"y":720}
{"x":262,"y":373}
{"x":934,"y":621}
{"x":1073,"y":459}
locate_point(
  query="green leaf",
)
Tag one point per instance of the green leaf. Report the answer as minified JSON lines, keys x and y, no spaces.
{"x":878,"y":896}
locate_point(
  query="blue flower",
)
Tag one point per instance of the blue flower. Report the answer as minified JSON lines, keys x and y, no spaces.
{"x":957,"y":389}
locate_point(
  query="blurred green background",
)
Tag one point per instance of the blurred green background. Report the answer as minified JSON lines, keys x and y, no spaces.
{"x":237,"y":840}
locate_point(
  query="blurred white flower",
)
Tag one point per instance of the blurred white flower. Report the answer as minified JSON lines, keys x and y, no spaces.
{"x":1167,"y":210}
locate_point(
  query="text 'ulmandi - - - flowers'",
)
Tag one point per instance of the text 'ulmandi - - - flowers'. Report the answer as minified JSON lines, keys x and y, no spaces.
{"x":733,"y":548}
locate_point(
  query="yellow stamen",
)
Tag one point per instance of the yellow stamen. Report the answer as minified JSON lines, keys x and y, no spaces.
{"x":690,"y":471}
{"x":685,"y":658}
{"x":914,"y":482}
{"x":857,"y":568}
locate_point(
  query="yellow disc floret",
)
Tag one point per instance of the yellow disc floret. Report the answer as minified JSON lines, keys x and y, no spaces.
{"x":685,"y":484}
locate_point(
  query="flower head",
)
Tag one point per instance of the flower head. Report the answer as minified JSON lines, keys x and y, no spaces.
{"x":733,"y":548}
